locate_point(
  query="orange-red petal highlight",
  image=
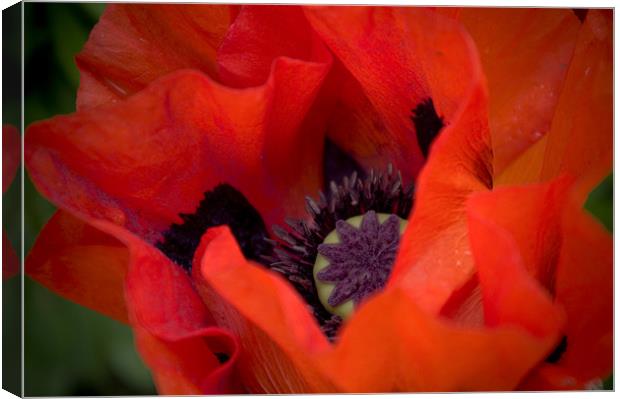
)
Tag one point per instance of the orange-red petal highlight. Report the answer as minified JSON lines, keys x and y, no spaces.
{"x":392,"y":345}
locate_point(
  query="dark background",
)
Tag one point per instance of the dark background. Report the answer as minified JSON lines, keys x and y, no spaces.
{"x":70,"y":350}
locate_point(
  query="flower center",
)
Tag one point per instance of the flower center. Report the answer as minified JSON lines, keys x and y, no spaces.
{"x":297,"y":246}
{"x":356,"y":259}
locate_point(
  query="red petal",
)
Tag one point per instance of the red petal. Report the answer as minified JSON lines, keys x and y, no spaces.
{"x":11,"y":154}
{"x":141,"y":162}
{"x":531,"y":215}
{"x":585,"y":289}
{"x":369,"y":42}
{"x":134,"y":44}
{"x":531,"y":46}
{"x":434,"y":258}
{"x":581,"y":135}
{"x":259,"y":35}
{"x":353,"y":122}
{"x":187,"y":366}
{"x":277,"y":333}
{"x":80,"y":263}
{"x":413,"y":351}
{"x":392,"y":54}
{"x":580,"y":139}
{"x":174,"y":330}
{"x":511,"y":294}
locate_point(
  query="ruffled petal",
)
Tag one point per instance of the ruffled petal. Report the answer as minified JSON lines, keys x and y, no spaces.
{"x":565,"y":250}
{"x":509,"y":258}
{"x":141,"y":162}
{"x":586,"y":267}
{"x":11,"y":154}
{"x":108,"y":269}
{"x":258,"y":36}
{"x":374,"y":46}
{"x":174,"y":331}
{"x":277,"y":332}
{"x":392,"y":345}
{"x":188,"y":366}
{"x":584,"y":287}
{"x":80,"y":263}
{"x":134,"y":44}
{"x":434,"y":259}
{"x":533,"y":47}
{"x":531,"y":214}
{"x":581,"y":135}
{"x":580,"y":140}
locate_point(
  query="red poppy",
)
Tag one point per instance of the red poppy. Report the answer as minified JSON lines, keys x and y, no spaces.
{"x":487,"y":292}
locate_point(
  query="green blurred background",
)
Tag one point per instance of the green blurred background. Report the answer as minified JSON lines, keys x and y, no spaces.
{"x":70,"y":350}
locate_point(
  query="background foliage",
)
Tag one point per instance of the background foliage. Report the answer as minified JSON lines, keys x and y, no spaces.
{"x":70,"y":350}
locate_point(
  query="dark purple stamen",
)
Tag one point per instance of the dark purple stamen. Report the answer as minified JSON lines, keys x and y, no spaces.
{"x":362,"y":261}
{"x":224,"y":205}
{"x":296,"y":246}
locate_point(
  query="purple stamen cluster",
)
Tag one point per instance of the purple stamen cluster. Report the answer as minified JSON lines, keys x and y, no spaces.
{"x":296,"y":247}
{"x":362,"y":261}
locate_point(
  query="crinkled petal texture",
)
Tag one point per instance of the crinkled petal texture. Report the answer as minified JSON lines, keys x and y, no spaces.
{"x":387,"y":51}
{"x":581,"y":132}
{"x":134,"y":44}
{"x":379,"y":349}
{"x":141,"y":162}
{"x":130,"y":166}
{"x":434,"y":259}
{"x":130,"y":281}
{"x":569,"y":257}
{"x":533,"y":47}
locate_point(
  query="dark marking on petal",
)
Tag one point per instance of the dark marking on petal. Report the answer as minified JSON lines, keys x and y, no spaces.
{"x":559,"y":350}
{"x":484,"y":167}
{"x":224,"y":205}
{"x":222,"y":357}
{"x":427,"y":124}
{"x":337,"y":164}
{"x":581,"y":13}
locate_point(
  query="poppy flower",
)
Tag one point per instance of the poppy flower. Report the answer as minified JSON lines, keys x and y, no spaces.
{"x":182,"y":179}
